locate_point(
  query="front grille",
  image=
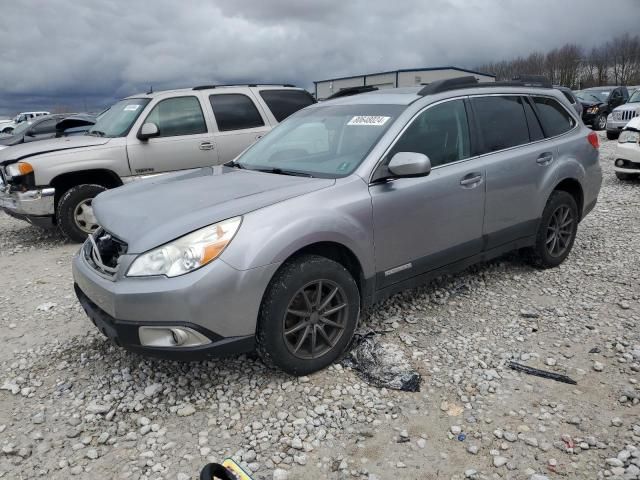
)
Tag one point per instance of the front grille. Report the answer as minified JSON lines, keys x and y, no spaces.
{"x":625,"y":114}
{"x":103,"y":251}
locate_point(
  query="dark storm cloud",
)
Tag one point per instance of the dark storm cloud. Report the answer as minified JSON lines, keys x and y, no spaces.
{"x":85,"y":54}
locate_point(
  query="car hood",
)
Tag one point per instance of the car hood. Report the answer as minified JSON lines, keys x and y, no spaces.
{"x":26,"y":150}
{"x":587,"y":104}
{"x":628,"y":106}
{"x":152,"y":212}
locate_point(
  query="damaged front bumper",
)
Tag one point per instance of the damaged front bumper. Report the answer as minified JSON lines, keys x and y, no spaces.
{"x":35,"y":206}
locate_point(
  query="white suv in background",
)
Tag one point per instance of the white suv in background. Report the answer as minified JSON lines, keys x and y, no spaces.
{"x":55,"y":181}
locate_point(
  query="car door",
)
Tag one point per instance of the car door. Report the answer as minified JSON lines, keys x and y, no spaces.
{"x":424,"y":223}
{"x":518,"y":162}
{"x":239,"y":122}
{"x":42,"y":130}
{"x":184,"y":140}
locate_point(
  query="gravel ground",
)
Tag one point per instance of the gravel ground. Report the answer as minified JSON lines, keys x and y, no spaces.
{"x":72,"y":404}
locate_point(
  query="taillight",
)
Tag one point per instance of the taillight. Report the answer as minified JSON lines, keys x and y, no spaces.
{"x":593,"y":140}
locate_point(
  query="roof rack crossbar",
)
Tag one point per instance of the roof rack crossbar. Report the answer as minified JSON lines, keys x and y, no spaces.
{"x":346,"y":92}
{"x":471,"y":82}
{"x":207,"y":87}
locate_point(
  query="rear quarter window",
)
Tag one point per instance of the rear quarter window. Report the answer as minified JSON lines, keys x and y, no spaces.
{"x":283,"y":103}
{"x":553,"y":116}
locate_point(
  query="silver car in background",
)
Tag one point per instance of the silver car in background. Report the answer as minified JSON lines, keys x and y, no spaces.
{"x":343,"y":204}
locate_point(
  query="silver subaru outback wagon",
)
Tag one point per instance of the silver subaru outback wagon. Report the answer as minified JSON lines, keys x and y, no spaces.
{"x":343,"y":204}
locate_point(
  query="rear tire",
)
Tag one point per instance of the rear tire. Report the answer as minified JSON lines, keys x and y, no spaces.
{"x":74,"y":213}
{"x":612,"y":135}
{"x":325,"y":302}
{"x":556,"y":231}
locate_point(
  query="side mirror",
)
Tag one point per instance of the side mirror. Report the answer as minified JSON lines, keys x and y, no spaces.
{"x":409,"y":164}
{"x":148,"y":130}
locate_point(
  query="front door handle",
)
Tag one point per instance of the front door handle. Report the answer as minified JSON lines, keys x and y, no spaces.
{"x":545,"y":158}
{"x":471,"y":180}
{"x":206,"y":146}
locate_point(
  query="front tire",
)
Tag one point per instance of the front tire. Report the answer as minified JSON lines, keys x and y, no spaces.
{"x":308,"y":315}
{"x":74,"y":212}
{"x":600,"y":122}
{"x":556,"y":231}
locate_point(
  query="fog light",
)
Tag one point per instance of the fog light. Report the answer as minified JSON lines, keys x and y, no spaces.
{"x":171,"y":336}
{"x":619,"y":163}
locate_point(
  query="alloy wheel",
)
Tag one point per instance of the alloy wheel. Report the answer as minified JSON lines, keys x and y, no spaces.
{"x":560,"y":231}
{"x":84,"y":217}
{"x":602,"y":122}
{"x":315,"y":319}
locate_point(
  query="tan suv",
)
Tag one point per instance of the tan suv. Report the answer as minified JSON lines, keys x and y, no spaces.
{"x":54,"y":182}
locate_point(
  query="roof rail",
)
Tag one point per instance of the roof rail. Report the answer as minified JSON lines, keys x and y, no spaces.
{"x":472,"y":82}
{"x":207,"y":87}
{"x":533,"y":81}
{"x":346,"y":92}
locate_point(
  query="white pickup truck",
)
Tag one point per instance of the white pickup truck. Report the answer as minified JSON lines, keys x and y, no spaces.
{"x":53,"y":182}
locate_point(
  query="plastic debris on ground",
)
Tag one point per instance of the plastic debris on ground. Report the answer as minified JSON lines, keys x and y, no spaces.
{"x":381,"y":364}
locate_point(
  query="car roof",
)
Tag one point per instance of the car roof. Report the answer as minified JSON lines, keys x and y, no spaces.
{"x":408,"y":95}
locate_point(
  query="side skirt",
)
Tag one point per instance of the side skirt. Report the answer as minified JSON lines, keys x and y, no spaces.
{"x":421,"y":279}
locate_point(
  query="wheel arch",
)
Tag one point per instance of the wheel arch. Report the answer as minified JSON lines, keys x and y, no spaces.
{"x":574,"y":188}
{"x":341,"y":254}
{"x":63,"y":182}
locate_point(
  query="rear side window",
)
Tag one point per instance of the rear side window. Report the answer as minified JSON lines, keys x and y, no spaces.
{"x":555,"y":119}
{"x":234,"y":111}
{"x":178,"y":116}
{"x":502,"y":122}
{"x":283,"y":103}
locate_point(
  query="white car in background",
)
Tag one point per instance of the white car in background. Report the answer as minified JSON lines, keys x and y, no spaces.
{"x":627,"y":155}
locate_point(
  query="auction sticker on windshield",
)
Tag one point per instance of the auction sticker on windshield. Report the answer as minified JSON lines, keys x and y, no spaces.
{"x":131,"y":108}
{"x":375,"y":120}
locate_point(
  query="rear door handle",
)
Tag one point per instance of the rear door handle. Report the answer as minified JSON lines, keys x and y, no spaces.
{"x":471,"y":180}
{"x":206,"y":146}
{"x":545,"y":158}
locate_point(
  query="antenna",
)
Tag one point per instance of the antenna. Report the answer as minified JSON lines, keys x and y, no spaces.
{"x":150,"y":90}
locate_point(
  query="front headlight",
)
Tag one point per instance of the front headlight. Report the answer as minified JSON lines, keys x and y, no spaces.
{"x":629,"y":136}
{"x":18,"y":169}
{"x":187,"y":253}
{"x":592,"y":110}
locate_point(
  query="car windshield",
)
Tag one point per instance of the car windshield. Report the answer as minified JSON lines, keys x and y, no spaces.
{"x":325,"y":141}
{"x":594,"y":95}
{"x":118,"y":119}
{"x":635,"y":97}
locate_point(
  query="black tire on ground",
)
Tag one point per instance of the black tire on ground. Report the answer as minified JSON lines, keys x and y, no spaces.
{"x":624,"y":176}
{"x":294,"y":288}
{"x":67,"y":210}
{"x":612,"y":135}
{"x":561,"y":209}
{"x":599,"y":123}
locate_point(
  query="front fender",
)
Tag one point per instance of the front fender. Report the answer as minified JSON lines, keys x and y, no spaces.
{"x":340,"y":214}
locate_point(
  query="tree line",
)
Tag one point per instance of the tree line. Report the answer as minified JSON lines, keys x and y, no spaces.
{"x":616,"y":62}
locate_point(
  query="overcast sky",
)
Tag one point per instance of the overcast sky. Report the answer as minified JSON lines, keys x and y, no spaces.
{"x":85,"y":54}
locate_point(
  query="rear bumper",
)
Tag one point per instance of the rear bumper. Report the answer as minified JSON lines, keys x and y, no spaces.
{"x":35,"y":206}
{"x":125,"y":334}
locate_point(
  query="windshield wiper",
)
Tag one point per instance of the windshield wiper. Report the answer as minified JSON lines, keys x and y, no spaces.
{"x":280,"y":171}
{"x":97,"y":133}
